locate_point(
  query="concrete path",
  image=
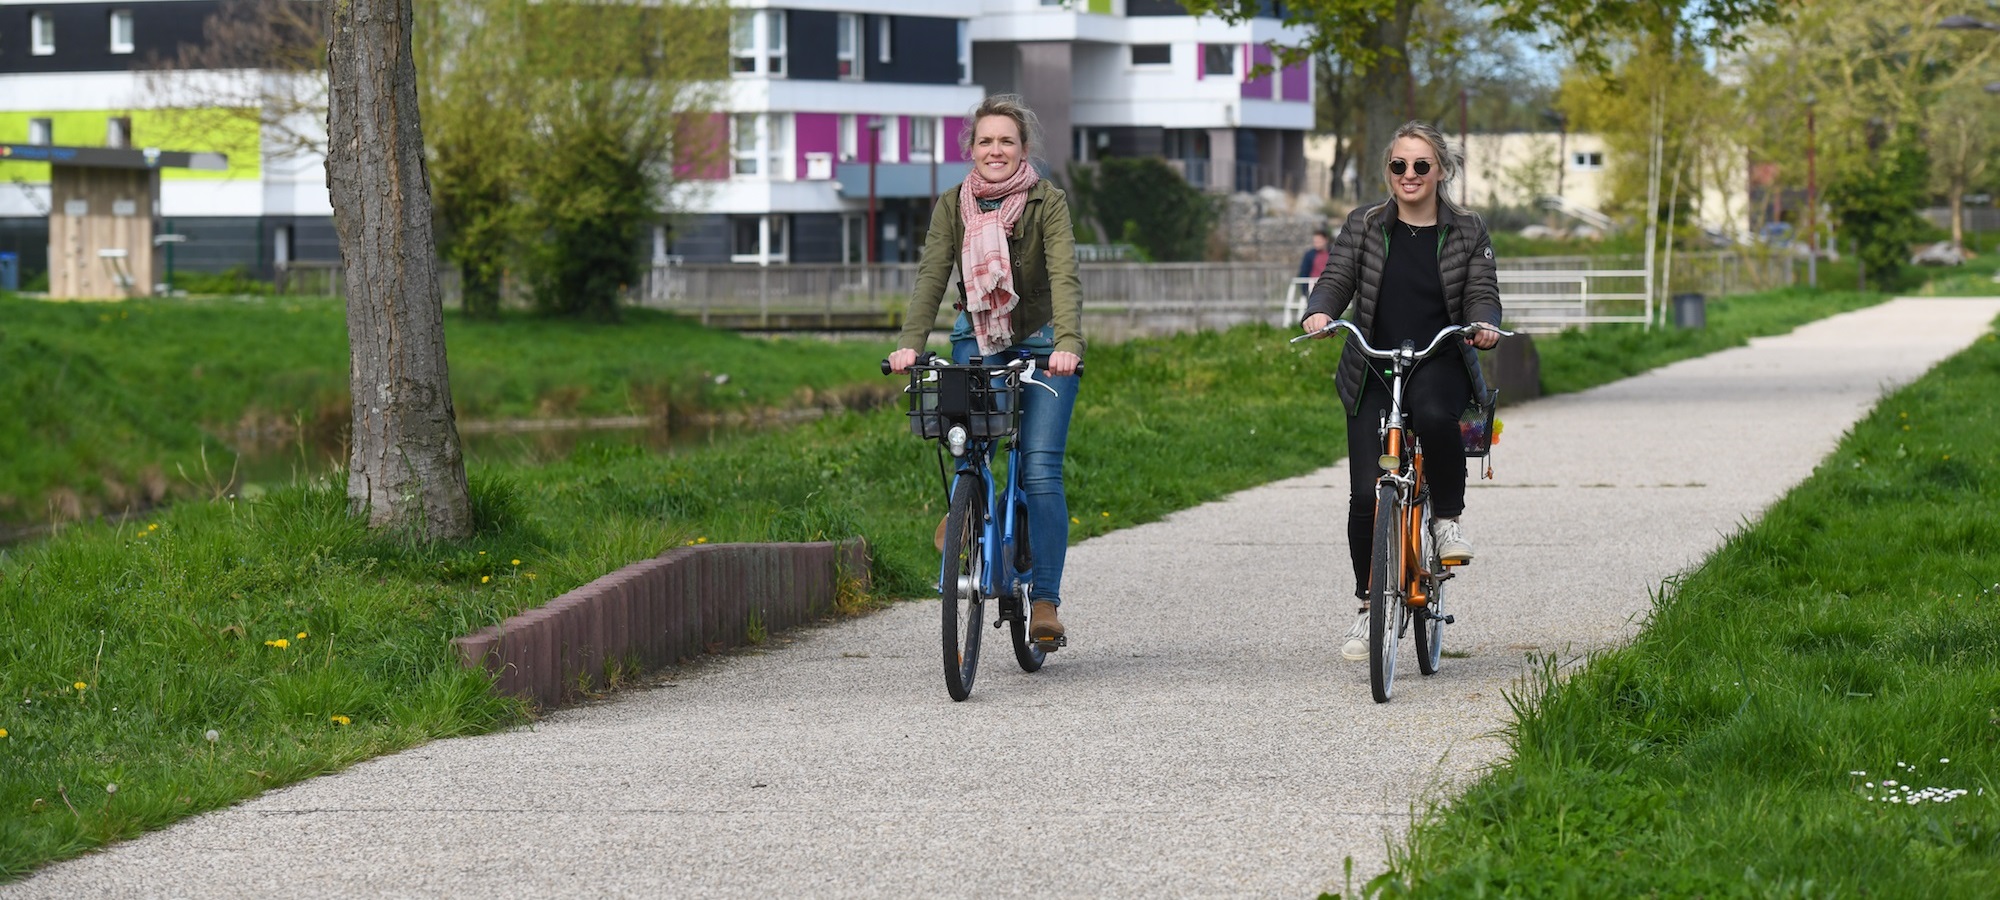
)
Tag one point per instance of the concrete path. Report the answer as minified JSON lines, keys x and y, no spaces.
{"x":1200,"y":737}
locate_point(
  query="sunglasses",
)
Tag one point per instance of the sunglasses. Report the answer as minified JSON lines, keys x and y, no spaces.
{"x":1423,"y":166}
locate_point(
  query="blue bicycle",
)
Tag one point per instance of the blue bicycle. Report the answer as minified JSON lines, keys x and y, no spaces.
{"x":973,"y":412}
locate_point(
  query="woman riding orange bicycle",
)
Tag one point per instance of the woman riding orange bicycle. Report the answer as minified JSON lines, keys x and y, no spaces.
{"x":1409,"y":267}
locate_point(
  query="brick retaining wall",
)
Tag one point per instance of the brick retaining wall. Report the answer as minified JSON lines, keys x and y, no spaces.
{"x":660,"y":611}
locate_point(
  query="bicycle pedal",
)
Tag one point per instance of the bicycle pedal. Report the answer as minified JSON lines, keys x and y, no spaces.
{"x":1055,"y":643}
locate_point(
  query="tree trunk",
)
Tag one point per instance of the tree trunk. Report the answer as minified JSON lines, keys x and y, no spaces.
{"x":1385,"y":100}
{"x":405,"y":470}
{"x":1957,"y":190}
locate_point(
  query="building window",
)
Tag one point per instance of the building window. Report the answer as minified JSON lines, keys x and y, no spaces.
{"x":888,"y":139}
{"x":853,"y":239}
{"x":121,"y":31}
{"x":964,"y":52}
{"x":1152,"y":54}
{"x":41,"y":131}
{"x":759,"y":239}
{"x":760,"y":145}
{"x":743,"y":140}
{"x":847,"y":45}
{"x":41,"y":34}
{"x":884,"y":31}
{"x":923,"y":139}
{"x":850,"y":139}
{"x":757,"y":42}
{"x":1587,"y":161}
{"x":1218,"y":59}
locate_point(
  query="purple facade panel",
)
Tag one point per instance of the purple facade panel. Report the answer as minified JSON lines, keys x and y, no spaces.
{"x":1258,"y":88}
{"x":815,"y":133}
{"x":1296,"y":82}
{"x":953,"y":152}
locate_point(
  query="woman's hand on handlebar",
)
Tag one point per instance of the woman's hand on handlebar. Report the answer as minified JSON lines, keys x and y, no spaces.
{"x":1316,"y":323}
{"x":1061,"y":362}
{"x":1483,"y":336}
{"x":901,"y":360}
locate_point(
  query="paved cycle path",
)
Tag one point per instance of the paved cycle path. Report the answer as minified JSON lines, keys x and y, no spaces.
{"x":1200,"y":737}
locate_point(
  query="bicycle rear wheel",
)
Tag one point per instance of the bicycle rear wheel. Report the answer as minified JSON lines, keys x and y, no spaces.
{"x":1026,"y":652}
{"x":1386,"y":610}
{"x":1428,"y":621}
{"x":964,"y":603}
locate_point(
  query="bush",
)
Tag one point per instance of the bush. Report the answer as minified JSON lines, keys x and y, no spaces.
{"x":1877,"y":206}
{"x":1144,"y":202}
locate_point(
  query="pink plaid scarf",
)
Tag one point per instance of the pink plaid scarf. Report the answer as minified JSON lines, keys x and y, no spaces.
{"x":988,"y":269}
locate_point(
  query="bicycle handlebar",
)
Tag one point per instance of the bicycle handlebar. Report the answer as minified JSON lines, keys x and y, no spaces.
{"x":1362,"y":344}
{"x":929,"y":360}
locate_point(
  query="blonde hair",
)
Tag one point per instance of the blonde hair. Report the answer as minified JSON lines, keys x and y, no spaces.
{"x":1011,"y":106}
{"x":1450,"y":160}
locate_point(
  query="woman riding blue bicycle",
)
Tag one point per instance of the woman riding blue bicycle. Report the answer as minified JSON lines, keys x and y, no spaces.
{"x":1410,"y":267}
{"x":1009,"y":234}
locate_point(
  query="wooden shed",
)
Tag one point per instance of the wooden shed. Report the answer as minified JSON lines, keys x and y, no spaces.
{"x":103,"y":203}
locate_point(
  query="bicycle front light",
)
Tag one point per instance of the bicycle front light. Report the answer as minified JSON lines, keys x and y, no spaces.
{"x":955,"y":439}
{"x":1388,"y":462}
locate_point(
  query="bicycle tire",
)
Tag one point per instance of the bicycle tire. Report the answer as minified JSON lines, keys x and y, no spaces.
{"x":1429,"y":621}
{"x":964,"y":606}
{"x":1026,"y":652}
{"x":1385,"y":593}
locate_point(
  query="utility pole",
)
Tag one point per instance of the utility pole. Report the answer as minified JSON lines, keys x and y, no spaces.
{"x":1465,"y":139}
{"x":874,"y":156}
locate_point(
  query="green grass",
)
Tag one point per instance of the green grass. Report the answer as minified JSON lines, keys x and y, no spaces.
{"x":1854,"y":629}
{"x":167,"y":627}
{"x":105,"y":407}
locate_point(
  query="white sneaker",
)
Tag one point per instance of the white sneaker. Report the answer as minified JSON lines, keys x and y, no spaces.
{"x":1356,"y":648}
{"x":1453,"y":548}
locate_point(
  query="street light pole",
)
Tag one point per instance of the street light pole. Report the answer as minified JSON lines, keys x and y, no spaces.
{"x":1812,"y":196}
{"x":874,"y":156}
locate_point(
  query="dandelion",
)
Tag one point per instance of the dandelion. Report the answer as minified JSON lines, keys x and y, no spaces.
{"x":155,"y":526}
{"x":1106,"y":515}
{"x":3,"y":734}
{"x":482,"y":553}
{"x":531,"y":576}
{"x":302,"y":635}
{"x":340,"y":720}
{"x":212,"y":735}
{"x":80,"y":686}
{"x":111,"y":788}
{"x":485,"y":578}
{"x":517,"y":562}
{"x":701,"y":540}
{"x":280,"y":643}
{"x":1075,"y":521}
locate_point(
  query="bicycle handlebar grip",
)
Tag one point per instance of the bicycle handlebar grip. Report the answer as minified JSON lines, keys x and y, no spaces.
{"x":923,"y":359}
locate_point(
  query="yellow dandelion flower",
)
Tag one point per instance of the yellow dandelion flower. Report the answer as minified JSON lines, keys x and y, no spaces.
{"x":79,"y":685}
{"x":340,"y":720}
{"x":701,"y":540}
{"x":153,"y":527}
{"x":1075,"y":521}
{"x":302,"y":635}
{"x":485,"y":578}
{"x":482,"y":553}
{"x":281,"y":643}
{"x":3,"y":734}
{"x":1105,"y":514}
{"x":517,"y":562}
{"x":531,"y":575}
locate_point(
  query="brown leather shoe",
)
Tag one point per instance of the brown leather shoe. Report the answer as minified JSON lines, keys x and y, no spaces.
{"x":939,"y":540}
{"x":1042,"y":622}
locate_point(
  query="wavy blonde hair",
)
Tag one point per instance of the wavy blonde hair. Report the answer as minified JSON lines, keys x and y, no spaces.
{"x":1011,"y":106}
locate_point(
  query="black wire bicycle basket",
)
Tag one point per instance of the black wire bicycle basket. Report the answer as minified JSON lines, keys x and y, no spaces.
{"x":985,"y":405}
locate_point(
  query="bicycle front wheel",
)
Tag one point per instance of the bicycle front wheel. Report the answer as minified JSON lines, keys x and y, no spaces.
{"x":1026,"y":652}
{"x":959,"y":585}
{"x":1429,"y":620}
{"x":1386,"y":609}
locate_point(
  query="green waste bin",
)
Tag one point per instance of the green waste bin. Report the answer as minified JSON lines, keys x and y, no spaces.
{"x":1690,"y":311}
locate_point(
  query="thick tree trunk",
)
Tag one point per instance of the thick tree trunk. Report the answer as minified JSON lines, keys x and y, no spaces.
{"x":405,"y":470}
{"x":1385,"y":99}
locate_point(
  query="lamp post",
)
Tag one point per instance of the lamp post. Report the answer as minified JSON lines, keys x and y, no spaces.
{"x":874,"y":156}
{"x":1812,"y":195}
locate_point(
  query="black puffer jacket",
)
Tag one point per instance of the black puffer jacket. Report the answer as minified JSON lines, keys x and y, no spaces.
{"x":1354,"y":275}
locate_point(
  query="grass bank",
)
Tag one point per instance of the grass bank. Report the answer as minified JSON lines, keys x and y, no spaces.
{"x":106,"y":407}
{"x":191,"y":623}
{"x":1814,"y":712}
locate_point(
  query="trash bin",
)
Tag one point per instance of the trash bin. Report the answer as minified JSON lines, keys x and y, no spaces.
{"x":10,"y":272}
{"x":1690,"y":311}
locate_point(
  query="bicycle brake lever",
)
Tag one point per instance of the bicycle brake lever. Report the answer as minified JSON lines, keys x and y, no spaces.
{"x":1028,"y":375}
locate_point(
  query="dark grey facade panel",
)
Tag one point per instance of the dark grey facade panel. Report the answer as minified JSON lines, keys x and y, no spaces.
{"x":810,"y":44}
{"x":83,"y":35}
{"x":1136,"y":141}
{"x":700,"y":239}
{"x":1137,"y":8}
{"x":816,"y":237}
{"x":219,"y":244}
{"x":923,"y":50}
{"x":27,"y":238}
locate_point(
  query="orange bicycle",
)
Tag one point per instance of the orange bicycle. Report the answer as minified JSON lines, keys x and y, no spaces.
{"x":1405,"y":576}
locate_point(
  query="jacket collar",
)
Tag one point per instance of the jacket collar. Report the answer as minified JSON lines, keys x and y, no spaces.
{"x":1449,"y":215}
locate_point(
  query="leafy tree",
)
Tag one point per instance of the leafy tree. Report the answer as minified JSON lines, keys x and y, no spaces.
{"x":1877,"y":204}
{"x":1149,"y":205}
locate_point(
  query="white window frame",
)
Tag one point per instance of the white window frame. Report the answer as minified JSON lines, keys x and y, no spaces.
{"x":41,"y":131}
{"x":757,"y":43}
{"x":848,"y":30}
{"x":780,"y":161}
{"x":884,"y":39}
{"x":849,"y":147}
{"x":924,"y":139}
{"x":121,"y":43}
{"x":1232,"y":52}
{"x":773,"y":243}
{"x":889,"y":140}
{"x":1586,"y":160}
{"x":964,"y":52}
{"x":746,"y":143}
{"x":42,"y":34}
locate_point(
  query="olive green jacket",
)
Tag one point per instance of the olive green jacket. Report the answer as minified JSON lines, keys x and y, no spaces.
{"x":1043,"y":250}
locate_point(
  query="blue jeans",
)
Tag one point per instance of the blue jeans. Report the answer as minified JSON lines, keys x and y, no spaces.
{"x":1044,"y":437}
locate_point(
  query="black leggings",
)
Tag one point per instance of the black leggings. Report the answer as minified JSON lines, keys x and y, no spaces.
{"x":1435,"y":394}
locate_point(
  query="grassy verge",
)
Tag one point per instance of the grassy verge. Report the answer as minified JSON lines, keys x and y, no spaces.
{"x":1813,"y":712}
{"x":106,"y":407}
{"x":174,"y":630}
